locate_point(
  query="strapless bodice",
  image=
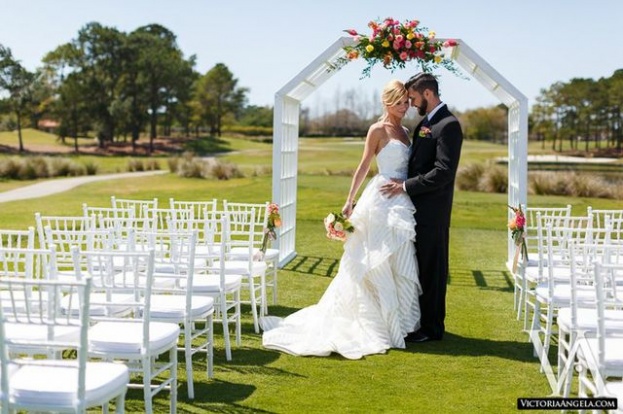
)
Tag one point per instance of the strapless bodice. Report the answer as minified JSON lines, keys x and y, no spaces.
{"x":393,"y":160}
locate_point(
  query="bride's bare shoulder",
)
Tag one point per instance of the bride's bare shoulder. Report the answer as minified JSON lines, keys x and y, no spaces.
{"x":378,"y":129}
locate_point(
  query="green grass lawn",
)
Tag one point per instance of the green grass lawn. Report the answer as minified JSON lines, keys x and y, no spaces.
{"x":483,"y":365}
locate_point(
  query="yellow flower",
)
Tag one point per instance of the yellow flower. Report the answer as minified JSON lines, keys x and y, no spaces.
{"x":369,"y":48}
{"x":431,"y":34}
{"x":385,"y":43}
{"x":410,"y":35}
{"x":437,"y":59}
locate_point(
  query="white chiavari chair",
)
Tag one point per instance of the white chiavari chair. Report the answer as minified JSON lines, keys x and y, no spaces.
{"x":27,"y":264}
{"x":530,"y":270}
{"x":178,"y":304}
{"x":17,"y":238}
{"x":134,"y":339}
{"x":555,"y":292}
{"x":199,"y":208}
{"x":69,"y":223}
{"x":137,"y":205}
{"x":48,"y":383}
{"x":600,"y":358}
{"x":580,"y":318}
{"x":222,"y":285}
{"x":599,"y":215}
{"x":270,"y":257}
{"x":239,"y":236}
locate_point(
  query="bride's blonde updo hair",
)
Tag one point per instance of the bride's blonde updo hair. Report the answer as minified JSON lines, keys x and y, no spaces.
{"x":393,"y":93}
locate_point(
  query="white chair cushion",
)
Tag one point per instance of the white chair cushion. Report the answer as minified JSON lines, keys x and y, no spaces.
{"x":615,"y":390}
{"x":211,"y":284}
{"x":127,"y":337}
{"x":562,"y":293}
{"x":239,"y":267}
{"x":174,"y":306}
{"x":55,"y":384}
{"x":158,"y":281}
{"x":98,"y":306}
{"x":614,"y":352}
{"x":11,"y":369}
{"x":241,"y":253}
{"x":587,"y":319}
{"x":39,"y":333}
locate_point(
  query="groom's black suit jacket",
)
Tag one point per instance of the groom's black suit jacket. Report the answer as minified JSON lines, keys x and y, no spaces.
{"x":432,"y":169}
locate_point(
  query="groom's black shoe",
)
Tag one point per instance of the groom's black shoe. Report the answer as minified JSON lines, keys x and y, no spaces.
{"x":417,"y":336}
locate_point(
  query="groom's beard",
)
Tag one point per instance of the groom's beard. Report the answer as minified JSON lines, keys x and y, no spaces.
{"x":421,"y":110}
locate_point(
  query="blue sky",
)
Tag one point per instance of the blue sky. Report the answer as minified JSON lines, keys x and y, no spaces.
{"x":265,"y":43}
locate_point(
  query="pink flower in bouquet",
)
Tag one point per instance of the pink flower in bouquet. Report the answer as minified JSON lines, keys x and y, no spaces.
{"x":337,"y":226}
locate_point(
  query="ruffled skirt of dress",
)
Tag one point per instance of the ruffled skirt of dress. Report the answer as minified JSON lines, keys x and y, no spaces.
{"x":372,"y":303}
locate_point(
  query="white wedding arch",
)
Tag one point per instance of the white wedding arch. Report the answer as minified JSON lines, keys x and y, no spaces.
{"x":286,"y":131}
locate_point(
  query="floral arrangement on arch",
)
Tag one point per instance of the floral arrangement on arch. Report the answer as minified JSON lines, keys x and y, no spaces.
{"x":274,"y":221}
{"x":394,"y":44}
{"x":337,"y":226}
{"x":517,"y":226}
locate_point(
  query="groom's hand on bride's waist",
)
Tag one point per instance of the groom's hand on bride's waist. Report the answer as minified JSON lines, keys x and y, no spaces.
{"x":392,"y":188}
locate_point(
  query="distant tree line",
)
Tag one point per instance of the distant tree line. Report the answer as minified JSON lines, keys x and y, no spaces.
{"x":581,"y":111}
{"x":115,"y":84}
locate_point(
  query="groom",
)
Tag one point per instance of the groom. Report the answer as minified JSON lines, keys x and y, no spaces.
{"x":432,"y":168}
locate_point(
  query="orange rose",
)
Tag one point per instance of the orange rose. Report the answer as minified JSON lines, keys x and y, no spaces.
{"x":277,"y":222}
{"x":512,"y":224}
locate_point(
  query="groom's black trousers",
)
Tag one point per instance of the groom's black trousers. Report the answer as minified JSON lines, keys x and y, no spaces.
{"x":432,"y":254}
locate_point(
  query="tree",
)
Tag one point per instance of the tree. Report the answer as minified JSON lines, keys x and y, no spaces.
{"x":486,"y":124}
{"x":18,"y":82}
{"x":218,"y":95}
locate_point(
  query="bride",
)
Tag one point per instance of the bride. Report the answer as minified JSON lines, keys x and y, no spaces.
{"x":372,"y":303}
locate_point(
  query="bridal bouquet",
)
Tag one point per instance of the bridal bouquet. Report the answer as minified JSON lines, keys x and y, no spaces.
{"x":517,"y":227}
{"x":274,"y":221}
{"x":394,"y":44}
{"x":337,"y":226}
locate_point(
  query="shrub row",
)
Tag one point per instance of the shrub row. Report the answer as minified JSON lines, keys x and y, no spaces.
{"x":30,"y":168}
{"x":493,"y":178}
{"x":142,"y":165}
{"x":189,"y":166}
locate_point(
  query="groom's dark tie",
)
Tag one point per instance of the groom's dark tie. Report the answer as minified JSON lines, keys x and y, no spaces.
{"x":426,"y":122}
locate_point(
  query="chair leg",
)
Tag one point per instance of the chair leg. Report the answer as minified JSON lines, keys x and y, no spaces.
{"x":120,"y":403}
{"x":147,"y":370}
{"x":173,"y":389}
{"x":225,"y":323}
{"x":264,"y":302}
{"x":188,"y":354}
{"x":238,"y":319}
{"x":210,"y":350}
{"x":253,"y":303}
{"x":274,"y":285}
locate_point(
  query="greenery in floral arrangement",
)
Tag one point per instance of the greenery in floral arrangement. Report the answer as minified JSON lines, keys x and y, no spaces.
{"x":394,"y":44}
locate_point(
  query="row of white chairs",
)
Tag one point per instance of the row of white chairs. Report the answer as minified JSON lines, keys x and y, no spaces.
{"x":169,"y":290}
{"x":98,"y":231}
{"x":557,"y":275}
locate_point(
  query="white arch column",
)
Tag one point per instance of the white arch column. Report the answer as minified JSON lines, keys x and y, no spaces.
{"x":286,"y":131}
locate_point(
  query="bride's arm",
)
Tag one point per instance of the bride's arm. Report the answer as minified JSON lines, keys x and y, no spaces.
{"x":375,"y":132}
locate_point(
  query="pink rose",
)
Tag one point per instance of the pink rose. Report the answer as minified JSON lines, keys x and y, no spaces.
{"x":408,"y":44}
{"x":520,"y":220}
{"x":352,"y":32}
{"x":449,"y":43}
{"x":404,"y":56}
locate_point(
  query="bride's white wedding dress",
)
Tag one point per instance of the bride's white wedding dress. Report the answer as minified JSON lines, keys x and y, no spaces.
{"x":372,"y":302}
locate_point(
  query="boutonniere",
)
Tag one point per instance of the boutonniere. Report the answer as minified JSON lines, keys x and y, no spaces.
{"x":424,"y":131}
